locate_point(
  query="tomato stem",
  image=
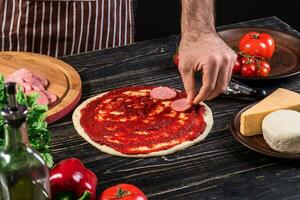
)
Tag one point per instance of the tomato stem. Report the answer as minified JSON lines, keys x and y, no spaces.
{"x":122,"y":193}
{"x":256,"y":58}
{"x":86,"y":195}
{"x":255,"y":36}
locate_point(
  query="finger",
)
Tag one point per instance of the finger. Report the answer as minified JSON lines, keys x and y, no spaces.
{"x":188,"y":79}
{"x":231,"y":68}
{"x":230,"y":72}
{"x":224,"y":76}
{"x":209,"y":78}
{"x":222,"y":81}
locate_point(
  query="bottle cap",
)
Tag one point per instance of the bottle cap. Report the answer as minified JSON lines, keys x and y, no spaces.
{"x":13,"y":113}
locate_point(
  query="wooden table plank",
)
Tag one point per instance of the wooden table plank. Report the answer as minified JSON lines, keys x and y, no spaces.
{"x":217,"y":168}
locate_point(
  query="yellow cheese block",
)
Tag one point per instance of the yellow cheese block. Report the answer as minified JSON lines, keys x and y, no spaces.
{"x":251,"y":119}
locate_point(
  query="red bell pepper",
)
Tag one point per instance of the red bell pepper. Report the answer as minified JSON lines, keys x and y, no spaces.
{"x":69,"y":179}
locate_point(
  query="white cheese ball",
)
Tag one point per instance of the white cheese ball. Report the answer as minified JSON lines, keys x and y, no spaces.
{"x":281,"y":130}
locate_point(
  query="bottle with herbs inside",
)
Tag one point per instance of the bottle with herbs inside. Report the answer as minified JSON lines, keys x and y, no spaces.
{"x":23,"y":172}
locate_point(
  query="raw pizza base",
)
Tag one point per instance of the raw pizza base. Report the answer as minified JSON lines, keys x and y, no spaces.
{"x":208,"y":118}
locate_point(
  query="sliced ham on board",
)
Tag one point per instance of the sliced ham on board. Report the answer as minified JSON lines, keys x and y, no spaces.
{"x":30,"y":83}
{"x":52,"y":97}
{"x":27,"y":87}
{"x":42,"y":97}
{"x":34,"y":81}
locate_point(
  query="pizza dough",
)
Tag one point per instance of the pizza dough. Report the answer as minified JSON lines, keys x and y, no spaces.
{"x":281,"y":130}
{"x":145,"y":94}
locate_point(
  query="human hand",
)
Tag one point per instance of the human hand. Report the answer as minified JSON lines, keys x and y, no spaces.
{"x":211,"y":55}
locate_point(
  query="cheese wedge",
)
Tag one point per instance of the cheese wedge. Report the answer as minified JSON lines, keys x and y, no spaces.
{"x":251,"y":119}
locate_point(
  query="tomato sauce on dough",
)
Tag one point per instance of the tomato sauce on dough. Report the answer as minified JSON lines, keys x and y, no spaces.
{"x":131,"y":122}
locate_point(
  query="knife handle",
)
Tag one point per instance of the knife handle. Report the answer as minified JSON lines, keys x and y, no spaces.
{"x":237,"y":90}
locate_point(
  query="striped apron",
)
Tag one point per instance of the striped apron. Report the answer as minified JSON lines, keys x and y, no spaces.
{"x":65,"y":27}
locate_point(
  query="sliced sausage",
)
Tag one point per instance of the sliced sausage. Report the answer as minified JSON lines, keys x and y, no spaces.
{"x":16,"y":76}
{"x":26,"y":86}
{"x":19,"y":73}
{"x":181,"y":105}
{"x":34,"y":81}
{"x":38,"y":86}
{"x":13,"y":78}
{"x":52,"y":97}
{"x":42,"y":80}
{"x":163,"y":93}
{"x":42,"y":97}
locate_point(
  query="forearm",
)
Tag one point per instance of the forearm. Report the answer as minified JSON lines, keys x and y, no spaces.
{"x":202,"y":50}
{"x":197,"y":17}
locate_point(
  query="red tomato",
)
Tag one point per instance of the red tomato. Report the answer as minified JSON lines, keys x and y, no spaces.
{"x":257,"y":44}
{"x":263,"y":69}
{"x":237,"y":67}
{"x":246,"y":60}
{"x":248,"y":70}
{"x":176,"y":59}
{"x":123,"y":192}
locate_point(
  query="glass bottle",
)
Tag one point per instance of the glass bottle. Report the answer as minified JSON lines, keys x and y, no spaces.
{"x":23,"y":172}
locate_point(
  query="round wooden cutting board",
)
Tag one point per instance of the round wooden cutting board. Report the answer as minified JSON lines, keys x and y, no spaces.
{"x":64,"y":81}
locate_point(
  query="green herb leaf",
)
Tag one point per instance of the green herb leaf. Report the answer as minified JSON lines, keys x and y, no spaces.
{"x":48,"y":159}
{"x":32,"y":98}
{"x":2,"y":93}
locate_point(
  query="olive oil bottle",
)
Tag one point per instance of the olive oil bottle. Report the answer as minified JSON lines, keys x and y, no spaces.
{"x":23,"y":172}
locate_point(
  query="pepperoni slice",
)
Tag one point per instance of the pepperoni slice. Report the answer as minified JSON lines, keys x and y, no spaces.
{"x":181,"y":105}
{"x":163,"y":93}
{"x":42,"y":97}
{"x":52,"y":97}
{"x":26,"y":86}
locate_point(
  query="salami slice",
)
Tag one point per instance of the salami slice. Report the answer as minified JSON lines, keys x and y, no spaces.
{"x":42,"y":97}
{"x":163,"y":93}
{"x":26,"y":87}
{"x":42,"y":80}
{"x":181,"y":105}
{"x":52,"y":97}
{"x":30,"y":83}
{"x":17,"y":75}
{"x":34,"y":82}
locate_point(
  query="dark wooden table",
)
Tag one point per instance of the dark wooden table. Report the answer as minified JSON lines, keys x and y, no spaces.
{"x":217,"y":168}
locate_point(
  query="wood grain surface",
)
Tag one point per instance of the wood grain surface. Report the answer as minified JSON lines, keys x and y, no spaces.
{"x":217,"y":168}
{"x":64,"y":80}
